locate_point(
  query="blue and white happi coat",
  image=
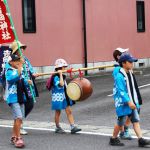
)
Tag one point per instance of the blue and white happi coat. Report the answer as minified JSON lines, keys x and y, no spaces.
{"x":12,"y":77}
{"x":121,"y":92}
{"x":59,"y":99}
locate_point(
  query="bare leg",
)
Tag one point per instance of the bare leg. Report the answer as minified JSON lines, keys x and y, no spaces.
{"x":17,"y":127}
{"x":13,"y":130}
{"x":137,"y":129}
{"x":122,"y":129}
{"x":128,"y":122}
{"x":116,"y":131}
{"x":69,"y":115}
{"x":57,"y":117}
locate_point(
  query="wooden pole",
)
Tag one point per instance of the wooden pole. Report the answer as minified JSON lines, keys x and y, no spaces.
{"x":76,"y":70}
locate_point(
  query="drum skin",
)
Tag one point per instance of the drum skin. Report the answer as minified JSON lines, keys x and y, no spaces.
{"x":79,"y":89}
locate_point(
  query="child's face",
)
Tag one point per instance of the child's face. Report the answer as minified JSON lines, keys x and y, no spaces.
{"x":16,"y":64}
{"x":128,"y":65}
{"x":17,"y":53}
{"x":63,"y":68}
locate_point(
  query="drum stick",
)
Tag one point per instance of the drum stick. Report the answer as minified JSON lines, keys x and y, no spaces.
{"x":76,"y":70}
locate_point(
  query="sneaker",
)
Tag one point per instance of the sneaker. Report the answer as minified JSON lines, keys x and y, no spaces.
{"x":23,"y":131}
{"x":125,"y":135}
{"x":59,"y":130}
{"x":19,"y":143}
{"x":143,"y":142}
{"x":13,"y":140}
{"x":75,"y":130}
{"x":115,"y":142}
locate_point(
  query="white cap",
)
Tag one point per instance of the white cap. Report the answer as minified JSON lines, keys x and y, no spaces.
{"x":122,"y":50}
{"x":60,"y":63}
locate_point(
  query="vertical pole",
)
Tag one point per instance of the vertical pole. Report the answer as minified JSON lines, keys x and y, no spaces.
{"x":84,"y":35}
{"x":16,"y":38}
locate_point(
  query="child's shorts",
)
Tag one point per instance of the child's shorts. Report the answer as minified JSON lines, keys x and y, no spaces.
{"x":17,"y":111}
{"x":134,"y":117}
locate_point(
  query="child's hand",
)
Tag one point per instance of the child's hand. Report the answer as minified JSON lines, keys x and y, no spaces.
{"x":30,"y":82}
{"x":60,"y":72}
{"x":19,"y":68}
{"x":61,"y":82}
{"x":20,"y":65}
{"x":22,"y":60}
{"x":131,"y":105}
{"x":36,"y":75}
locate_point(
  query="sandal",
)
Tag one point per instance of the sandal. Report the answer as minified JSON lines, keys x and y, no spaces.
{"x":19,"y":143}
{"x":13,"y":140}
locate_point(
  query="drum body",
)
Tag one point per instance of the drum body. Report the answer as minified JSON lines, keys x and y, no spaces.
{"x":79,"y":89}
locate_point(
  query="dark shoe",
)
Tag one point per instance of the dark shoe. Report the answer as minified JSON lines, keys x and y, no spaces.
{"x":143,"y":142}
{"x":59,"y":130}
{"x":115,"y":142}
{"x":75,"y":130}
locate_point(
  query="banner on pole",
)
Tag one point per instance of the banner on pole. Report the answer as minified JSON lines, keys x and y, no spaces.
{"x":6,"y":31}
{"x":5,"y":52}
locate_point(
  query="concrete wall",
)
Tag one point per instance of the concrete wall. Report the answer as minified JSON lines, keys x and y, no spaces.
{"x":59,"y":31}
{"x":110,"y":24}
{"x":113,"y":24}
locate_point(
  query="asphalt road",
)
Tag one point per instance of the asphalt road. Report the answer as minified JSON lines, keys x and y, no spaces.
{"x":42,"y":140}
{"x":98,"y":110}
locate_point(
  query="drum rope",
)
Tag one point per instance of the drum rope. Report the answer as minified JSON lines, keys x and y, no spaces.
{"x":80,"y":74}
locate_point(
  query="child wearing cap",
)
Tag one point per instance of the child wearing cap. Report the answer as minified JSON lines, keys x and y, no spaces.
{"x":60,"y":100}
{"x":31,"y":74}
{"x":126,"y":97}
{"x":124,"y":132}
{"x":15,"y":96}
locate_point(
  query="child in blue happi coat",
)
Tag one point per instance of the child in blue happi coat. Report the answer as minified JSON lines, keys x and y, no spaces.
{"x":60,"y":100}
{"x":124,"y":132}
{"x":31,"y":74}
{"x":127,"y":100}
{"x":16,"y":95}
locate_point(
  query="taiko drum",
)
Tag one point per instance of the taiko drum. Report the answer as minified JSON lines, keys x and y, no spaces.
{"x":79,"y":89}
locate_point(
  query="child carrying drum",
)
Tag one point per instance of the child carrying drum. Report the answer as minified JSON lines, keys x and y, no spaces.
{"x":60,"y":99}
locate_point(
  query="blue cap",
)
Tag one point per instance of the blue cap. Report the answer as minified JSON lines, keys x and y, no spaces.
{"x":127,"y":57}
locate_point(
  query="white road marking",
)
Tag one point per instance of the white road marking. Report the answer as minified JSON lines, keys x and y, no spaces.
{"x":146,"y":75}
{"x":142,"y":86}
{"x":110,"y":95}
{"x":67,"y":131}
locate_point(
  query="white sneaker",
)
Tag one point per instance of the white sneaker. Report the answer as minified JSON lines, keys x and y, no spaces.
{"x":23,"y":131}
